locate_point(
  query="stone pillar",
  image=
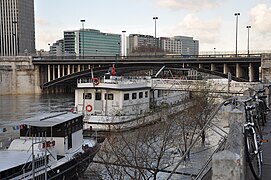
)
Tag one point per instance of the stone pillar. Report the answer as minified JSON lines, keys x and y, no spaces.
{"x":226,"y":165}
{"x":251,"y":72}
{"x":213,"y":68}
{"x":58,"y":71}
{"x":49,"y":73}
{"x":54,"y":72}
{"x":69,"y":69}
{"x":230,"y":163}
{"x":200,"y":66}
{"x":78,"y":68}
{"x":225,"y":68}
{"x":89,"y":66}
{"x":63,"y":70}
{"x":238,"y":70}
{"x":72,"y":69}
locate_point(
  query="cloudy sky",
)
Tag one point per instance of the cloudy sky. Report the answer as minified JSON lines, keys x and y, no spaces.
{"x":212,"y":22}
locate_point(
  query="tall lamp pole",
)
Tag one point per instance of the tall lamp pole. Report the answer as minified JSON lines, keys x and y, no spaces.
{"x":49,"y":48}
{"x":248,"y":27}
{"x":155,"y":18}
{"x":15,"y":41}
{"x":123,"y":43}
{"x":236,"y":14}
{"x":83,"y":51}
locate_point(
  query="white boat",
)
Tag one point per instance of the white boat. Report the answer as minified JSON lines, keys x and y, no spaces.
{"x":117,"y":103}
{"x":50,"y":146}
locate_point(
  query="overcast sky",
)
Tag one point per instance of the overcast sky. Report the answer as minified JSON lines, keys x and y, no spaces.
{"x":212,"y":22}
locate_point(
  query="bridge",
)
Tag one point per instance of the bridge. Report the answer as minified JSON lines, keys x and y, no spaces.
{"x":61,"y":70}
{"x":49,"y":72}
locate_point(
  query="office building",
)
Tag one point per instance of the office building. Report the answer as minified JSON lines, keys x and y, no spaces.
{"x":57,"y":49}
{"x":17,"y":27}
{"x":91,"y":42}
{"x":138,"y":43}
{"x":189,"y":46}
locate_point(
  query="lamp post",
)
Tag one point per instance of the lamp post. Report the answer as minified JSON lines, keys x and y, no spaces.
{"x":14,"y":34}
{"x":214,"y":51}
{"x":236,"y":14}
{"x":83,"y":34}
{"x":248,"y":27}
{"x":123,"y":43}
{"x":49,"y":48}
{"x":155,"y":18}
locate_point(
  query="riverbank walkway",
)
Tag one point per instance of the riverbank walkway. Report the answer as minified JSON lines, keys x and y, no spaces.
{"x":266,"y":153}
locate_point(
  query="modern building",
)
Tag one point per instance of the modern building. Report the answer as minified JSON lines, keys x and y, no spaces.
{"x":189,"y":46}
{"x":91,"y":42}
{"x":17,"y":27}
{"x":138,"y":43}
{"x":57,"y":49}
{"x":170,"y":45}
{"x":146,"y":44}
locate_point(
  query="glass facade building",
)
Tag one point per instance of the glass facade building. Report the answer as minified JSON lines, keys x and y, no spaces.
{"x":90,"y":42}
{"x":17,"y":27}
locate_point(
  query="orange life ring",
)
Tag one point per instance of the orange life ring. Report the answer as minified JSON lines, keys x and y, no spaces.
{"x":95,"y":81}
{"x":89,"y":108}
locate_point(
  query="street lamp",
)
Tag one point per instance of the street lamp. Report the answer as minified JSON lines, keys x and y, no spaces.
{"x":214,"y":51}
{"x":155,"y":18}
{"x":248,"y":27}
{"x":123,"y":43}
{"x":15,"y":41}
{"x":82,"y":21}
{"x":49,"y":48}
{"x":236,"y":14}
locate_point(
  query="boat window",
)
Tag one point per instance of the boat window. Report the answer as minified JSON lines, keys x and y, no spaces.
{"x":98,"y":96}
{"x":146,"y":94}
{"x":109,"y":96}
{"x":88,"y":95}
{"x":140,"y":95}
{"x":126,"y":96}
{"x":134,"y":96}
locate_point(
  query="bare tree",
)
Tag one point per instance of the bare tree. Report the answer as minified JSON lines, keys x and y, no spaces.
{"x":144,"y":152}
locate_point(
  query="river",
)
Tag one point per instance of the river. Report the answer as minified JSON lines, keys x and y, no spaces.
{"x":18,"y":107}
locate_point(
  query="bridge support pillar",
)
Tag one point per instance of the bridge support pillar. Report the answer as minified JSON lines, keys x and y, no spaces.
{"x":58,"y":71}
{"x":225,"y":68}
{"x":49,"y":72}
{"x":251,"y":72}
{"x":72,"y":69}
{"x":54,"y":72}
{"x":78,"y":68}
{"x":63,"y":70}
{"x":239,"y":72}
{"x":213,"y":67}
{"x":69,"y":69}
{"x":89,"y":66}
{"x":200,"y":66}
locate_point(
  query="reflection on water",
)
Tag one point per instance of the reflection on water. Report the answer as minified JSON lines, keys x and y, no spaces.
{"x":18,"y":107}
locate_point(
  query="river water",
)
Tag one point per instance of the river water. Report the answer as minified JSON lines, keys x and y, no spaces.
{"x":18,"y":107}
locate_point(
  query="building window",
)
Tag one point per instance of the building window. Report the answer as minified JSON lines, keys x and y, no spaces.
{"x":146,"y":94}
{"x":87,"y":95}
{"x":140,"y":95}
{"x":126,"y":96}
{"x":134,"y":96}
{"x":109,"y":97}
{"x":98,"y":96}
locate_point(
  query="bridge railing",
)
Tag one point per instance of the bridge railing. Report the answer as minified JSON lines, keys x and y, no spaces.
{"x":166,"y":56}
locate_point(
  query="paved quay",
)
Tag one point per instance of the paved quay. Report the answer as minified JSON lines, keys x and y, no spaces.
{"x":266,"y":153}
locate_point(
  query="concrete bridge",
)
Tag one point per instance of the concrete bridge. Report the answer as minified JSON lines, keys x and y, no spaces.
{"x":20,"y":75}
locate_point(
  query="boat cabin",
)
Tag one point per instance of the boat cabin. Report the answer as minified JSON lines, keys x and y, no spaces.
{"x":113,"y":96}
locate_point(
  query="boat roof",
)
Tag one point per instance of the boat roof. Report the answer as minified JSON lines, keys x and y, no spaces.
{"x":48,"y":119}
{"x":13,"y":158}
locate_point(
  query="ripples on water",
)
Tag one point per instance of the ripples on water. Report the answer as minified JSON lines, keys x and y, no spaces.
{"x":18,"y":107}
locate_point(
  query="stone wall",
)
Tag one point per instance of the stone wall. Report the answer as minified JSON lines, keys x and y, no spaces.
{"x":266,"y":68}
{"x":18,"y":76}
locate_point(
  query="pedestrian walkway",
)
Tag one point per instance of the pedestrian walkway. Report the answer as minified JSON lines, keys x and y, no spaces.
{"x":266,"y":153}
